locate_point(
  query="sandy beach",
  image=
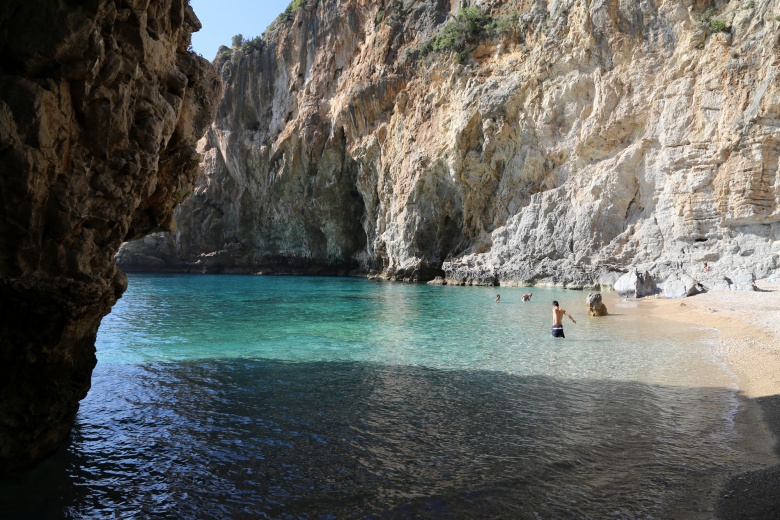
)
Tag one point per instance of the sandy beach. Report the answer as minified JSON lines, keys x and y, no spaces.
{"x":748,"y":325}
{"x":748,"y":341}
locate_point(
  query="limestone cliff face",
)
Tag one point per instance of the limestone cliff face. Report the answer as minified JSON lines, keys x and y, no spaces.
{"x":101,"y":106}
{"x":582,"y":139}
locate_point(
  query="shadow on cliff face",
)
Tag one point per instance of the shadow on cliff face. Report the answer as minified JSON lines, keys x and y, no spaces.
{"x":755,"y":494}
{"x":100,"y":110}
{"x":246,"y":437}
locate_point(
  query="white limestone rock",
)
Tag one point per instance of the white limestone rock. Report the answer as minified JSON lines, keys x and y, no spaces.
{"x":636,"y":284}
{"x":679,"y":285}
{"x":602,"y":137}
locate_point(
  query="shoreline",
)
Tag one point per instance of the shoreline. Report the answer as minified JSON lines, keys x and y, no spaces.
{"x":747,"y":328}
{"x":748,"y":331}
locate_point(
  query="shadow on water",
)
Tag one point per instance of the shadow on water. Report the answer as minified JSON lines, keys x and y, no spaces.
{"x":274,"y":439}
{"x":756,"y":494}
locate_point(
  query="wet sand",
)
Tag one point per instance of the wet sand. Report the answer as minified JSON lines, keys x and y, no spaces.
{"x":748,"y":330}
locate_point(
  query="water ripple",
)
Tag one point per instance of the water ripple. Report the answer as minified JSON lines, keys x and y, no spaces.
{"x":406,"y":410}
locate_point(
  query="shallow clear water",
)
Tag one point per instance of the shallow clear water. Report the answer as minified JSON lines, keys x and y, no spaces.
{"x":255,"y":397}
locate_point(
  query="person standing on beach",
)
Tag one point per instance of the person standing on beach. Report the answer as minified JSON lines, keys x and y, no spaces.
{"x":557,"y":326}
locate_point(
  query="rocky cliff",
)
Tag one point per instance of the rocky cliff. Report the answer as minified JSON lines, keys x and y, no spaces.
{"x":101,"y":105}
{"x":557,"y":142}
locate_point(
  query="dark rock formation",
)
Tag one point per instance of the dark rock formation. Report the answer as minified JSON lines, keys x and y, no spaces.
{"x":596,"y":307}
{"x":101,"y":106}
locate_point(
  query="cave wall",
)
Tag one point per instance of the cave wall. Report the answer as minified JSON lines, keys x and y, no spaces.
{"x":101,"y":106}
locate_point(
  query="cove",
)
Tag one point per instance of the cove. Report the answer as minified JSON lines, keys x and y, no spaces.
{"x":290,"y":397}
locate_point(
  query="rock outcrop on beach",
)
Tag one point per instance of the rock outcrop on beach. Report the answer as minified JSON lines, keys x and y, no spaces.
{"x":680,"y":285}
{"x":559,"y":142}
{"x":101,"y":106}
{"x":635,"y":284}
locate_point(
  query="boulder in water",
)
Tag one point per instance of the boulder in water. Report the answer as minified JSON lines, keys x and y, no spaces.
{"x":596,"y":307}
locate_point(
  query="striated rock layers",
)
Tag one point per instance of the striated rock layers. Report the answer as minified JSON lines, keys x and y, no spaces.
{"x":101,"y":106}
{"x":546,"y":142}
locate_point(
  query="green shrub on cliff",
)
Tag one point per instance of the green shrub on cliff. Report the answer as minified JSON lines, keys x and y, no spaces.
{"x":505,"y":24}
{"x":710,"y":23}
{"x":288,"y":14}
{"x":706,"y":15}
{"x":467,"y":29}
{"x":718,"y":25}
{"x":239,"y":43}
{"x":255,"y":43}
{"x":290,"y":11}
{"x":459,"y":34}
{"x":392,"y":13}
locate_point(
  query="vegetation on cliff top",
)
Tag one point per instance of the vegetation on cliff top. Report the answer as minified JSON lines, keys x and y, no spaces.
{"x":248,"y":45}
{"x":239,"y":43}
{"x":461,"y":35}
{"x":290,"y":11}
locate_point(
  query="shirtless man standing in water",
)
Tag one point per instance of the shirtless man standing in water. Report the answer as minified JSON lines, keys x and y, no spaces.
{"x":557,"y":326}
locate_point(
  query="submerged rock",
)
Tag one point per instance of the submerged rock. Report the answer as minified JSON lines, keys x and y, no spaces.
{"x":101,"y":107}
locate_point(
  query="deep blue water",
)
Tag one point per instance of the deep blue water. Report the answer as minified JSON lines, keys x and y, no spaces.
{"x":282,"y":397}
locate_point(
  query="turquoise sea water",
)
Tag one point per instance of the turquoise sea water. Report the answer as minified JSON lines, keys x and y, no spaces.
{"x":187,"y":318}
{"x":287,"y":397}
